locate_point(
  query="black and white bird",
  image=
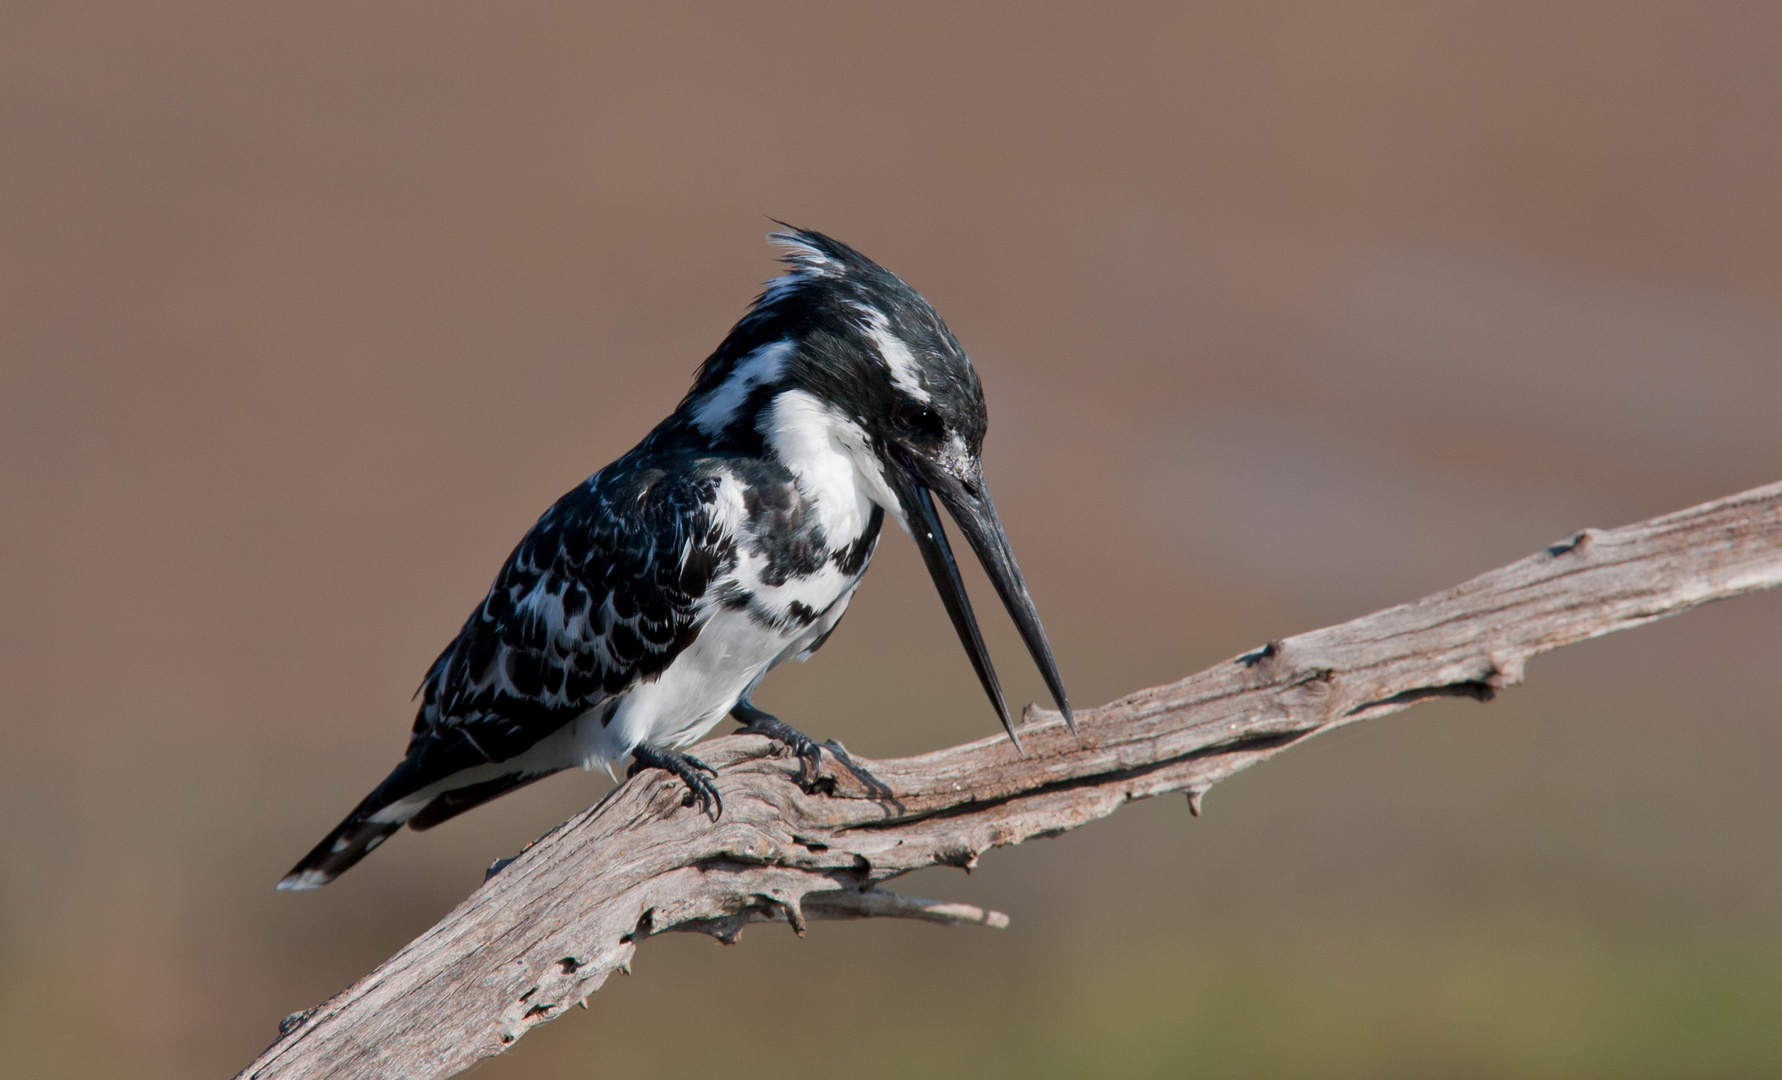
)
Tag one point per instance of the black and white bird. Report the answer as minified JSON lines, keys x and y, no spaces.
{"x":646,"y":605}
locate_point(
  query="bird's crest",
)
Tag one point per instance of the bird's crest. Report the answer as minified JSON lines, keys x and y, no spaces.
{"x":811,"y":254}
{"x":816,"y":264}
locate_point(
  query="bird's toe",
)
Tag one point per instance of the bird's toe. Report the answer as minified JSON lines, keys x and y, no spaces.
{"x":691,"y":771}
{"x":802,"y":746}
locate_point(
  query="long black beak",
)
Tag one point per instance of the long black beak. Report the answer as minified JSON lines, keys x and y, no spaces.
{"x":968,"y":500}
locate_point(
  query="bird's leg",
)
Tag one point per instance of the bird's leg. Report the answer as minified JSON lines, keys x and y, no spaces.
{"x":757,"y":722}
{"x":685,"y":766}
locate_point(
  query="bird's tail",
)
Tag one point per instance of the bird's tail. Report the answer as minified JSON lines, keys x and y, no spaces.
{"x":396,"y":802}
{"x":365,"y":828}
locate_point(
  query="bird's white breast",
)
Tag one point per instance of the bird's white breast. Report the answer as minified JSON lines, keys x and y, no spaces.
{"x":839,"y":481}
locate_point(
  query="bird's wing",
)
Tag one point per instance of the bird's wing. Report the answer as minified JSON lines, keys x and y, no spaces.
{"x":607,"y":588}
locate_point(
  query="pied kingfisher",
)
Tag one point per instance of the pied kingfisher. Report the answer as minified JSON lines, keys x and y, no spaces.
{"x":648,"y":602}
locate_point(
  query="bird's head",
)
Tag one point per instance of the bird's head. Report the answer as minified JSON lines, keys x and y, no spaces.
{"x":841,"y":353}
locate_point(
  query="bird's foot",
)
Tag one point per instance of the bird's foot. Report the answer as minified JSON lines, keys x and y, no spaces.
{"x":810,"y":755}
{"x":690,"y":769}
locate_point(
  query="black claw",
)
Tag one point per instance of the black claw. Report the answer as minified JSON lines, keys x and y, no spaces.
{"x":689,"y":769}
{"x":810,"y":755}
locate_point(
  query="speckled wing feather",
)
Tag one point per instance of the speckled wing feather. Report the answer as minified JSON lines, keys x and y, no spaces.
{"x":608,"y":587}
{"x":605,"y":589}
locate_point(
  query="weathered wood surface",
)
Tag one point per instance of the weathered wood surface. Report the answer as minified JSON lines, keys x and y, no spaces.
{"x":552,"y":926}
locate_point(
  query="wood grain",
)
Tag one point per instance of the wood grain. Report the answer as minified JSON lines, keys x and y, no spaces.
{"x":548,"y":930}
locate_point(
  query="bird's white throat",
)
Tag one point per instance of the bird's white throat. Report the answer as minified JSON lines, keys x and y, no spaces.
{"x":833,"y":461}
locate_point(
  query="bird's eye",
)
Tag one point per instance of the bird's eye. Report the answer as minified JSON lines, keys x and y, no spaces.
{"x":918,"y":418}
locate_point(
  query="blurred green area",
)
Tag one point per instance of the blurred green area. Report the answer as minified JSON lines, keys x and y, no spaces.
{"x":1486,"y":999}
{"x":1285,"y":312}
{"x":1498,"y":999}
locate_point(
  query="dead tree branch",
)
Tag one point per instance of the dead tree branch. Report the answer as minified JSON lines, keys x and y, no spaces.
{"x":546,"y":931}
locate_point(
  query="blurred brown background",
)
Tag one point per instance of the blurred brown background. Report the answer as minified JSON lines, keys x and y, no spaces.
{"x":1286,"y":312}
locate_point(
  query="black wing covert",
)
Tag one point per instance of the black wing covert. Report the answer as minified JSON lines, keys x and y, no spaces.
{"x":605,"y":589}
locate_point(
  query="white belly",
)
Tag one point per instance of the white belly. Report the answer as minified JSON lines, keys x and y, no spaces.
{"x":730,"y":655}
